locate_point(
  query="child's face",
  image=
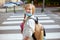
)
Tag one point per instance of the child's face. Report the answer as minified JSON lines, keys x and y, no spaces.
{"x":28,"y":9}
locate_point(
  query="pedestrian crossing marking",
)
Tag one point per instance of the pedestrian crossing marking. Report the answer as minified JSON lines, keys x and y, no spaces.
{"x":11,"y":36}
{"x":44,"y":18}
{"x":23,"y":15}
{"x":46,"y":21}
{"x":55,"y":35}
{"x":12,"y":22}
{"x":40,"y":15}
{"x":15,"y":18}
{"x":23,"y":18}
{"x":18,"y":22}
{"x":51,"y":26}
{"x":9,"y":27}
{"x":20,"y":36}
{"x":18,"y":27}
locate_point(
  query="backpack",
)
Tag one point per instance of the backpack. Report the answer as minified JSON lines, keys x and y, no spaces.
{"x":39,"y":31}
{"x":22,"y":26}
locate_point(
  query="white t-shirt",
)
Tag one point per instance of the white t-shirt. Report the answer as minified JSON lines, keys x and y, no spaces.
{"x":29,"y":27}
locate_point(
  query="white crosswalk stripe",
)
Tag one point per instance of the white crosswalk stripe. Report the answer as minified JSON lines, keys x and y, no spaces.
{"x":9,"y":27}
{"x":51,"y":26}
{"x":20,"y":37}
{"x":17,"y":19}
{"x":17,"y":22}
{"x":11,"y":36}
{"x":21,"y":18}
{"x":53,"y":35}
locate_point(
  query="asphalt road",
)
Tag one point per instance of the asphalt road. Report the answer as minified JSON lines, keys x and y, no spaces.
{"x":10,"y":25}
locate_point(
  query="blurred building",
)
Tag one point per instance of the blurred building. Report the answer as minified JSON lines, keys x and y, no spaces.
{"x":4,"y":1}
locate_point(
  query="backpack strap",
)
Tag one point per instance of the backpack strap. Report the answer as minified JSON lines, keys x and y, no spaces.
{"x":36,"y":20}
{"x":44,"y":31}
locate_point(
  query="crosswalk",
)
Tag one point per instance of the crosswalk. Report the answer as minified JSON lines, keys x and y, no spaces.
{"x":10,"y":29}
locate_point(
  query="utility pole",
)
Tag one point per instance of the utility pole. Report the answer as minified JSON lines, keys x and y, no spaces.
{"x":42,"y":10}
{"x":32,"y":2}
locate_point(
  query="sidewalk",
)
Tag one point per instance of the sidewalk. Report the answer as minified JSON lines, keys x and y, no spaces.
{"x":11,"y":9}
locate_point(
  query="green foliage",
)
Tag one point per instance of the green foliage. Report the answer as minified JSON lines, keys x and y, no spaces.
{"x":40,"y":1}
{"x":29,"y":1}
{"x":47,"y":2}
{"x":52,"y":2}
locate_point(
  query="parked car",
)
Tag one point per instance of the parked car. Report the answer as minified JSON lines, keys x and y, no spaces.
{"x":17,"y":3}
{"x":9,"y":4}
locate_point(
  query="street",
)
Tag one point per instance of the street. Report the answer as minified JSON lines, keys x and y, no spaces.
{"x":10,"y":27}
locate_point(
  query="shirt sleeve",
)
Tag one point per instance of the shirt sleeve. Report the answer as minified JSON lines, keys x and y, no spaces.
{"x":31,"y":25}
{"x":29,"y":28}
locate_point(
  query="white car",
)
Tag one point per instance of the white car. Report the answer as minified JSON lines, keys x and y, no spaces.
{"x":9,"y":5}
{"x":18,"y":3}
